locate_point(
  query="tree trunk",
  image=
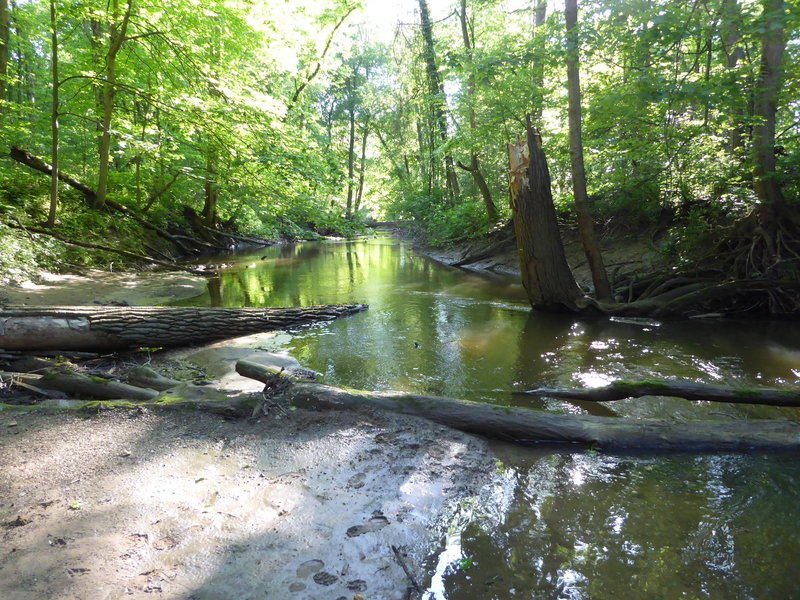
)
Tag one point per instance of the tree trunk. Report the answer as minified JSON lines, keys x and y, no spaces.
{"x":591,"y":248}
{"x":51,"y":217}
{"x":475,"y":166}
{"x":351,"y":161}
{"x":117,"y":35}
{"x":531,"y":427}
{"x":210,"y":189}
{"x":620,"y":390}
{"x":438,"y":100}
{"x":765,"y":180}
{"x":537,"y":69}
{"x":119,"y":328}
{"x":362,"y":165}
{"x":4,"y":54}
{"x":545,"y":273}
{"x":474,"y":169}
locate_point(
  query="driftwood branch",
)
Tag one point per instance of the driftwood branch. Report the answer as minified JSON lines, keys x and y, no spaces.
{"x":526,"y":426}
{"x":619,"y":390}
{"x":241,"y":238}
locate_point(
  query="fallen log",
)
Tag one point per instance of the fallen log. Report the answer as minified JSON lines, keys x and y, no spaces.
{"x":119,"y":328}
{"x":620,"y":390}
{"x":527,"y":426}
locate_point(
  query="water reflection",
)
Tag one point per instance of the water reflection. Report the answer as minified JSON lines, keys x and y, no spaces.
{"x":438,"y":330}
{"x":583,"y":526}
{"x":555,"y":526}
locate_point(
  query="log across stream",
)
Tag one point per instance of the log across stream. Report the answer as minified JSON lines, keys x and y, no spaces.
{"x":531,"y":427}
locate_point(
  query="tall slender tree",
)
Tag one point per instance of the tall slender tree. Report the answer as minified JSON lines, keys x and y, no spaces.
{"x":765,"y":179}
{"x":117,"y":32}
{"x":585,"y":225}
{"x":537,"y":71}
{"x":437,"y":96}
{"x":474,"y":167}
{"x":51,"y":218}
{"x":4,"y":53}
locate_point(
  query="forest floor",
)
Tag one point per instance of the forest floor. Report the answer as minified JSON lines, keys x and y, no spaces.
{"x":295,"y":504}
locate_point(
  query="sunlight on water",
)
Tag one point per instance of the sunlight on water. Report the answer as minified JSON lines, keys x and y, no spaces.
{"x":593,"y":379}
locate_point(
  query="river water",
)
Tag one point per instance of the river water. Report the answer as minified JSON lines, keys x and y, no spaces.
{"x":555,"y":523}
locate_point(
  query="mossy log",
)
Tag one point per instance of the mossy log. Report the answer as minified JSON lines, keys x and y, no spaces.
{"x":143,"y":376}
{"x":119,"y":328}
{"x":530,"y":427}
{"x":620,"y":390}
{"x":76,"y":385}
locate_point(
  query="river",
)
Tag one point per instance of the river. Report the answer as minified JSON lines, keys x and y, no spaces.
{"x":555,"y":523}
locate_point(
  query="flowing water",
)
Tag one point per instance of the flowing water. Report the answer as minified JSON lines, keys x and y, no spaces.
{"x":555,"y":524}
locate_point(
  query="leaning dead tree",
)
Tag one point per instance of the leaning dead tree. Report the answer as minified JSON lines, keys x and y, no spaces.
{"x":546,"y":275}
{"x":119,"y":328}
{"x":531,"y":427}
{"x":550,"y":284}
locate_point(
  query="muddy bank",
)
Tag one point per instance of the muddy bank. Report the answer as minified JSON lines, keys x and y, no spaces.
{"x":623,"y":253}
{"x":144,"y":505}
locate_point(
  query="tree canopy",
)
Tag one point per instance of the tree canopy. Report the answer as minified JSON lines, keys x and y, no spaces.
{"x":284,"y":116}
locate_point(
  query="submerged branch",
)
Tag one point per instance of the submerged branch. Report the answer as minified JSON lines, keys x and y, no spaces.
{"x":620,"y":390}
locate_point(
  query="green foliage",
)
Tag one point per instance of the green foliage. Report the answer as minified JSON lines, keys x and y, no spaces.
{"x":252,"y":104}
{"x":22,"y":257}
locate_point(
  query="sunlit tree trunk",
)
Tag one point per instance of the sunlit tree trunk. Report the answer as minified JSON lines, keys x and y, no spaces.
{"x":210,"y":187}
{"x":436,"y":91}
{"x":97,"y":42}
{"x":51,"y":218}
{"x":4,"y":41}
{"x":585,"y":225}
{"x":474,"y":167}
{"x":117,"y":32}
